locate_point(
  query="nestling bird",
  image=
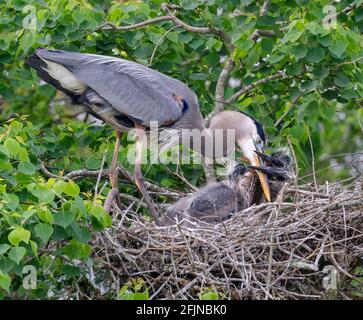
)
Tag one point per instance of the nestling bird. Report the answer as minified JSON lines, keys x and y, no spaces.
{"x":128,"y":95}
{"x":218,"y":201}
{"x":215,"y":202}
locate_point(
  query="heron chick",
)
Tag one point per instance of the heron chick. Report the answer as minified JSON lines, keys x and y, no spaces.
{"x":214,"y":202}
{"x":217,"y":201}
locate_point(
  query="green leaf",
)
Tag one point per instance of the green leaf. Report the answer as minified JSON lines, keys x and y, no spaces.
{"x":71,"y":189}
{"x":209,"y":296}
{"x":172,"y":36}
{"x":63,"y":218}
{"x":26,"y":168}
{"x":18,"y":235}
{"x":4,"y":248}
{"x":212,"y":59}
{"x":43,"y":231}
{"x":211,"y":42}
{"x":145,"y":9}
{"x":17,"y":254}
{"x":12,"y":146}
{"x":46,"y":216}
{"x":338,"y":47}
{"x":80,"y":234}
{"x":93,"y":163}
{"x":267,"y":44}
{"x":196,"y":43}
{"x":5,"y":281}
{"x":11,"y":200}
{"x":299,"y":51}
{"x":26,"y":41}
{"x":34,"y":247}
{"x":59,"y":186}
{"x":292,"y":36}
{"x":308,"y":85}
{"x":76,"y":250}
{"x":70,"y":270}
{"x":315,"y":55}
{"x":341,"y":80}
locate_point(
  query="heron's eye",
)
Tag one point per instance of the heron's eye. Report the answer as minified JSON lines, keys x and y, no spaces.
{"x":259,"y":141}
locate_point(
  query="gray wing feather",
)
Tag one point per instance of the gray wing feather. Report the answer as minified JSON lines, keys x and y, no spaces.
{"x":130,"y":88}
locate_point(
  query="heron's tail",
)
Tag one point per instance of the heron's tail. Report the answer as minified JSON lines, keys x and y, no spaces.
{"x":55,"y":73}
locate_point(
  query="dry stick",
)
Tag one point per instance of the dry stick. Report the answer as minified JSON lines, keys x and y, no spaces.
{"x":294,"y":156}
{"x":191,"y":283}
{"x":110,"y":197}
{"x":100,"y":174}
{"x":313,"y":163}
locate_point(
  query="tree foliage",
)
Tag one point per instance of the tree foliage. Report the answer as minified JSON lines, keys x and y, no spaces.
{"x":297,"y":72}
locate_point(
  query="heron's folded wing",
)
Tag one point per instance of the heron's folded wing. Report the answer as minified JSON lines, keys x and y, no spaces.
{"x":133,"y":89}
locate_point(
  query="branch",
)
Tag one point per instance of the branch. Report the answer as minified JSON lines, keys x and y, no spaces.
{"x":113,"y":27}
{"x":220,"y":89}
{"x":169,"y":17}
{"x":255,"y":84}
{"x":264,"y":8}
{"x":210,"y":29}
{"x":77,"y":174}
{"x":262,"y":33}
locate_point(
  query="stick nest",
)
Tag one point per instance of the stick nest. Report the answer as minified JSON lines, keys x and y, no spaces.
{"x":280,"y":250}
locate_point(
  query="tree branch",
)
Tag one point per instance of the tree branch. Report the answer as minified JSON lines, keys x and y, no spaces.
{"x":220,"y":89}
{"x":262,"y":33}
{"x":264,"y":8}
{"x":113,"y":27}
{"x":255,"y":84}
{"x":83,"y":173}
{"x":169,"y":17}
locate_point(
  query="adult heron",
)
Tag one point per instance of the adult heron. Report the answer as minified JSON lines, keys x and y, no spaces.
{"x":128,"y":95}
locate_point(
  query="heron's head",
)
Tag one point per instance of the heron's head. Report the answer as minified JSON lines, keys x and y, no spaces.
{"x":249,"y":136}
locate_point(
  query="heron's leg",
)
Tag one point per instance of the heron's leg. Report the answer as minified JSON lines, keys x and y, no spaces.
{"x":113,"y":170}
{"x":139,"y":180}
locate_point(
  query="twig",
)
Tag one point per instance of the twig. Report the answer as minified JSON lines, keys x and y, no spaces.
{"x":158,"y":44}
{"x":110,"y":197}
{"x":290,"y":108}
{"x":253,"y":85}
{"x":264,"y":8}
{"x":313,"y":163}
{"x":262,"y":33}
{"x":111,"y":26}
{"x":100,"y":174}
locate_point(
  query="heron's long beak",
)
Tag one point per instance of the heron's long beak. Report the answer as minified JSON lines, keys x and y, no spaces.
{"x":263,"y":178}
{"x":248,"y":148}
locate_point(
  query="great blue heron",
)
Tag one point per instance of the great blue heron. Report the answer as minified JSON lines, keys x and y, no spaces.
{"x":217,"y":201}
{"x":129,"y":95}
